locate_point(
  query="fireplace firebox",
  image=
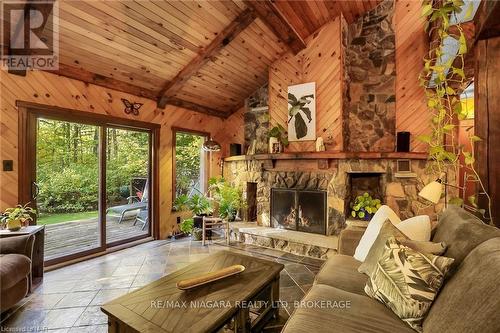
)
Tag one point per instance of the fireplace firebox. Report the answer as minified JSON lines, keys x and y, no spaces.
{"x":300,"y":210}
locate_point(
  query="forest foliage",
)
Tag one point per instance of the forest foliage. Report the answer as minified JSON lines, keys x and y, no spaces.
{"x":68,"y":165}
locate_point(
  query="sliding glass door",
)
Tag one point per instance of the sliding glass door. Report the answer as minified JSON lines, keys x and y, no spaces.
{"x":90,"y":177}
{"x":127,"y":184}
{"x":67,"y":186}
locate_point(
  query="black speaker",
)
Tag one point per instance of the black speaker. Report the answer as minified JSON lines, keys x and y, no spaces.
{"x":403,"y":142}
{"x":234,"y":149}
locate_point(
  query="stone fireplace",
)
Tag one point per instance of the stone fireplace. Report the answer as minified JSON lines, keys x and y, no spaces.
{"x":339,"y":180}
{"x":300,"y":210}
{"x":359,"y":183}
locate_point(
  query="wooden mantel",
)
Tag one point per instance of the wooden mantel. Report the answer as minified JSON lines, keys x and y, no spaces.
{"x":329,"y":156}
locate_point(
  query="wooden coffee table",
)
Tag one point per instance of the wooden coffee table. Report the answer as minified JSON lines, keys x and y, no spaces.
{"x":242,"y":303}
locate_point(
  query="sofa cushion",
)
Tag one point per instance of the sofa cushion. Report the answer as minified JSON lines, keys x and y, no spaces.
{"x":13,"y":268}
{"x":341,"y":272}
{"x":407,"y":281}
{"x":469,"y":301}
{"x":389,"y":230}
{"x":462,"y":232}
{"x":346,"y":312}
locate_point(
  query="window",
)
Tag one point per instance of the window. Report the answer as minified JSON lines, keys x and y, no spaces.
{"x":189,"y":172}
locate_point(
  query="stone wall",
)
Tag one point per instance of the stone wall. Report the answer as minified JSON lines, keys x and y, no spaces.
{"x":369,"y":114}
{"x":400,"y":193}
{"x":256,"y":120}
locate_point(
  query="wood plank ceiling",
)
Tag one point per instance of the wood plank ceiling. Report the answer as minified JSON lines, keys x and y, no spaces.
{"x":204,"y":55}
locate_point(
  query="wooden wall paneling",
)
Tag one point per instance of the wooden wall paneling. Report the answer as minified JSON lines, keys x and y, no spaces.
{"x":411,"y":46}
{"x":278,"y":23}
{"x":319,"y":62}
{"x":50,"y":89}
{"x":486,"y":119}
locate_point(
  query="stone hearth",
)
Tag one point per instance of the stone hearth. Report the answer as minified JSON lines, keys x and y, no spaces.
{"x":299,"y":243}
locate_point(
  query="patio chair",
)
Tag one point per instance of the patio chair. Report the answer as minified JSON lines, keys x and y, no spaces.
{"x":142,"y":217}
{"x":135,"y":203}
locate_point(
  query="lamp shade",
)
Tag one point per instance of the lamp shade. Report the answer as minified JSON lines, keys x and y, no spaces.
{"x":432,"y":191}
{"x":211,"y":145}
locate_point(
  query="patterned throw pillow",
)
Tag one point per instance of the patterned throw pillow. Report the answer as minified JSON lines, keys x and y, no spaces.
{"x":407,"y":281}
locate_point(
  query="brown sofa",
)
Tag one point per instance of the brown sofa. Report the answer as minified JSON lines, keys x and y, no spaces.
{"x":468,"y":302}
{"x":15,"y":269}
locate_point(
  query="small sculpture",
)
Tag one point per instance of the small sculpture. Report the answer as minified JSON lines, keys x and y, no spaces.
{"x":320,"y":145}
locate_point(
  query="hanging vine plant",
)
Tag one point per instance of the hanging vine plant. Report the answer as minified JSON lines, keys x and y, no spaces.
{"x":443,"y":78}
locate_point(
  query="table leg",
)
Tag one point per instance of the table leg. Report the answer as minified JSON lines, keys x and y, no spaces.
{"x":242,"y":321}
{"x":275,"y":296}
{"x":227,"y":233}
{"x":203,"y":228}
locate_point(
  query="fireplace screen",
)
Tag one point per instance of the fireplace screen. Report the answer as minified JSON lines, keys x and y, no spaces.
{"x":299,"y":210}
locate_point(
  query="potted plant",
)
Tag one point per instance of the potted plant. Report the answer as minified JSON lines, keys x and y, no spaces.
{"x":364,"y":206}
{"x":17,"y":217}
{"x":229,"y":198}
{"x":199,"y":205}
{"x":277,"y":139}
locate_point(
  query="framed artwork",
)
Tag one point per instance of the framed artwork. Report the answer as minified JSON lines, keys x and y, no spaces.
{"x":302,"y":112}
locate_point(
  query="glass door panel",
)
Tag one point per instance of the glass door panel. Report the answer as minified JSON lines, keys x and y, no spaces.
{"x":127,"y":184}
{"x":67,"y":181}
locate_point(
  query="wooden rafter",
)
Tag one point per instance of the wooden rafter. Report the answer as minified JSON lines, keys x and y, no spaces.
{"x":229,"y":33}
{"x":272,"y":17}
{"x":103,"y":81}
{"x":107,"y":82}
{"x":196,"y":107}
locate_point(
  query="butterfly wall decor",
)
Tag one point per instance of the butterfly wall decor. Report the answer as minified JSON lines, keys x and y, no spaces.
{"x":131,"y":107}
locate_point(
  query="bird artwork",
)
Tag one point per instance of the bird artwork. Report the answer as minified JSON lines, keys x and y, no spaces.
{"x":131,"y":108}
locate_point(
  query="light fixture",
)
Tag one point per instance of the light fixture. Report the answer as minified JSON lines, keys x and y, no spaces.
{"x":432,"y":191}
{"x":211,"y":145}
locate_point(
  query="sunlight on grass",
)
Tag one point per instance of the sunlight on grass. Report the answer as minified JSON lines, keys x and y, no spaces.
{"x":44,"y":219}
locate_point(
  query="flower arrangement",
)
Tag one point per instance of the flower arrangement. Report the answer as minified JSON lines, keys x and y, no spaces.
{"x":364,"y":206}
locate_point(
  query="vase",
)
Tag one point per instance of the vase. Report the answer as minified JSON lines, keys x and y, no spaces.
{"x":14,"y":225}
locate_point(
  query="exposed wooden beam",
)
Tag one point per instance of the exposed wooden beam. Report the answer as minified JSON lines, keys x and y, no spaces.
{"x":107,"y":82}
{"x":486,"y":20}
{"x":224,"y":38}
{"x":103,"y":81}
{"x":272,"y":17}
{"x":196,"y":107}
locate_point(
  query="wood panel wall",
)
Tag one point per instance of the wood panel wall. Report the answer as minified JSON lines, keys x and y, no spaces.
{"x":411,"y":46}
{"x":50,"y":89}
{"x":487,"y":120}
{"x":321,"y":62}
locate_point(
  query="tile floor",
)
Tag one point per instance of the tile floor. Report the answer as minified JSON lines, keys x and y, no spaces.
{"x":69,"y":299}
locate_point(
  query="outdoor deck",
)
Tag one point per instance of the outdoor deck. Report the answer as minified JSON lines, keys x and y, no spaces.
{"x":76,"y":236}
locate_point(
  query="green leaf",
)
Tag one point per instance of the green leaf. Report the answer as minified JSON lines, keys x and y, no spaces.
{"x":300,"y":126}
{"x":469,"y":159}
{"x":448,"y":127}
{"x":463,"y":44}
{"x":426,"y":10}
{"x":468,"y":13}
{"x":459,"y":71}
{"x":307,"y":113}
{"x":475,"y":138}
{"x":424,"y":138}
{"x":472,"y":200}
{"x":456,"y":201}
{"x":450,"y":91}
{"x":292,"y":99}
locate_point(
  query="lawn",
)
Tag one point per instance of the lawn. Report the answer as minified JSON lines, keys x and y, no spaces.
{"x":64,"y":217}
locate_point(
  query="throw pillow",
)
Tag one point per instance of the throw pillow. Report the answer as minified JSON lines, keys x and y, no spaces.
{"x":407,"y":281}
{"x":389,"y":230}
{"x":372,"y":230}
{"x":416,"y":228}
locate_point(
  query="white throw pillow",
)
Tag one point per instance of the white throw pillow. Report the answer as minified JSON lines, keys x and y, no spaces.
{"x":415,"y":228}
